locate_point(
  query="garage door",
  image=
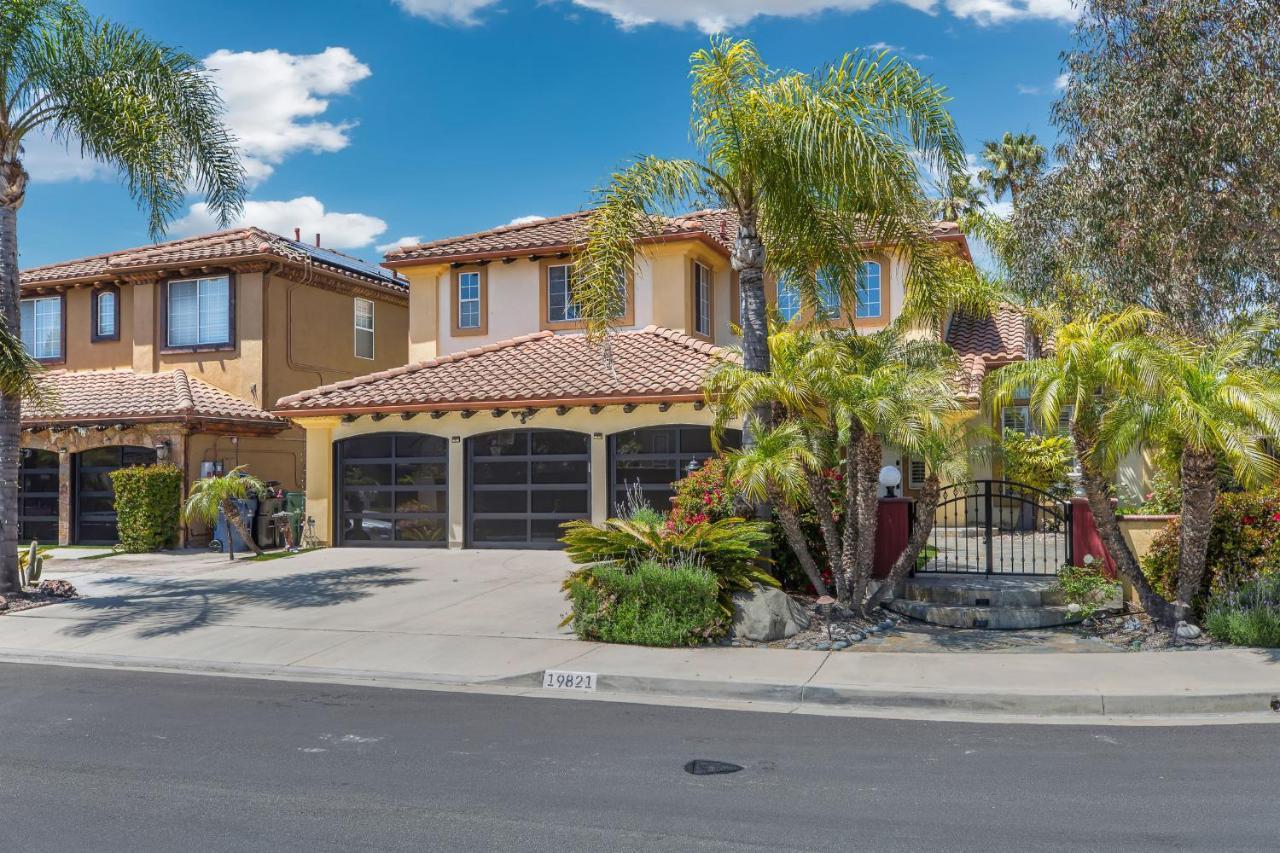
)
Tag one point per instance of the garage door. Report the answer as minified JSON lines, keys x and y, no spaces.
{"x":95,"y":497}
{"x":38,"y":496}
{"x":653,"y":458}
{"x":523,"y":484}
{"x":394,"y":489}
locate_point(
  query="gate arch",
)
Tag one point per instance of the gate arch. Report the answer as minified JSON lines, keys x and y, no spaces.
{"x":999,"y":527}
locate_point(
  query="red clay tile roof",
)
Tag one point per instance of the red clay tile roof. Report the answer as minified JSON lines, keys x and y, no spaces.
{"x":87,"y":396}
{"x":208,"y":248}
{"x":537,"y":370}
{"x":985,"y":342}
{"x":561,"y":233}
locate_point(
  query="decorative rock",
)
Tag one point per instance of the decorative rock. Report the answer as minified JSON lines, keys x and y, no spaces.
{"x":1186,"y":631}
{"x":886,"y":625}
{"x":874,"y":629}
{"x":1132,"y":624}
{"x":1073,"y":607}
{"x":840,"y":644}
{"x":793,"y":645}
{"x":766,"y":615}
{"x":58,"y":588}
{"x":824,"y":646}
{"x":4,"y":602}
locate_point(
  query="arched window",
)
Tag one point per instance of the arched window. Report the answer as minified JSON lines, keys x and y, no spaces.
{"x":869,"y":292}
{"x":106,"y":315}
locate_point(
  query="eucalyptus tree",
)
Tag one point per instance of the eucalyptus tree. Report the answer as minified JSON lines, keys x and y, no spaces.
{"x":815,"y":166}
{"x":1014,"y":163}
{"x":124,"y":100}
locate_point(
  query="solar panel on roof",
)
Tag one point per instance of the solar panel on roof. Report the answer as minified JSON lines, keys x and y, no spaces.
{"x":337,"y":259}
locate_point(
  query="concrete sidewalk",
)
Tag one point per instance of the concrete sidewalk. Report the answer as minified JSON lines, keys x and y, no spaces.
{"x":489,"y":621}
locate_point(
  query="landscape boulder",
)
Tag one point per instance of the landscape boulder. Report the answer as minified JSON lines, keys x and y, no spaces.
{"x":765,"y":615}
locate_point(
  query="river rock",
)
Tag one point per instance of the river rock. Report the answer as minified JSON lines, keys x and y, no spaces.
{"x":766,"y":615}
{"x":1186,"y":631}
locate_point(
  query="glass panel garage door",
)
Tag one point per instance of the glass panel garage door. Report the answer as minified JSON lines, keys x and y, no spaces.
{"x":38,"y":496}
{"x":524,"y":484}
{"x":96,"y":497}
{"x":394,"y":489}
{"x":654,"y":458}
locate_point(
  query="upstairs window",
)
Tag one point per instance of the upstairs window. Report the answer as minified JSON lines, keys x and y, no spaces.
{"x":106,"y":315}
{"x":199,"y":312}
{"x":701,"y":300}
{"x":364,"y":328}
{"x":829,"y":293}
{"x":788,"y":300}
{"x":469,"y":300}
{"x":560,"y":305}
{"x":869,"y":292}
{"x":42,"y":327}
{"x":1015,"y":419}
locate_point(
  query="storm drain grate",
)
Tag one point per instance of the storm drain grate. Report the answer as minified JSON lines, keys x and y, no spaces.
{"x":706,"y":767}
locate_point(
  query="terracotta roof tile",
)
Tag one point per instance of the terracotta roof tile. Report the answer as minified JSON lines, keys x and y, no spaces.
{"x":96,"y":395}
{"x":985,"y":342}
{"x":205,"y":248}
{"x":541,"y":369}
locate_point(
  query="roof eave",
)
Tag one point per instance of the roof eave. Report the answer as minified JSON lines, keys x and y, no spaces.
{"x":485,"y":405}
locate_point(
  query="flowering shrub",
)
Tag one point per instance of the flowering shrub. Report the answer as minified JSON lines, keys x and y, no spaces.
{"x":703,"y":496}
{"x":786,"y":566}
{"x":1244,"y":546}
{"x":1165,"y":497}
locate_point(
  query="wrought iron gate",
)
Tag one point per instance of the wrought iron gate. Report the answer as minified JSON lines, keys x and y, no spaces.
{"x":999,"y":527}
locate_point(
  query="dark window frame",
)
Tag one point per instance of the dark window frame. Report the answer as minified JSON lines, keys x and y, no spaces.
{"x":61,"y":357}
{"x":232,"y":339}
{"x":96,"y":298}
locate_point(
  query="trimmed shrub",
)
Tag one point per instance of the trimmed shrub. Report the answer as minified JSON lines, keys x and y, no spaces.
{"x":1248,"y":616}
{"x":705,"y":495}
{"x":647,"y":605}
{"x":148,"y":502}
{"x":1244,"y":545}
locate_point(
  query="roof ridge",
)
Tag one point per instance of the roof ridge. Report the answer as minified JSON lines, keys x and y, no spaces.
{"x":487,"y":232}
{"x":182,"y":386}
{"x":133,"y":249}
{"x":416,"y":366}
{"x":683,"y":338}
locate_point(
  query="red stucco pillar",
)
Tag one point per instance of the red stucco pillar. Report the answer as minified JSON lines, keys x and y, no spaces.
{"x":1085,"y":539}
{"x":893,"y":526}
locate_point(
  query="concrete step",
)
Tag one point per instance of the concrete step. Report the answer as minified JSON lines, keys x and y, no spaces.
{"x":958,"y":590}
{"x":992,"y":618}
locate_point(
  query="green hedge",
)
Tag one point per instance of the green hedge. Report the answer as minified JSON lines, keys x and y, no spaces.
{"x":148,"y":501}
{"x":649,"y":605}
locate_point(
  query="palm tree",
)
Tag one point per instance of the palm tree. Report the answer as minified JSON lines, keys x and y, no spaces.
{"x":145,"y":108}
{"x":214,"y":495}
{"x":958,"y":198}
{"x":813,"y":165}
{"x":1014,"y":163}
{"x":1208,"y":405}
{"x":1095,"y":362}
{"x":775,"y":467}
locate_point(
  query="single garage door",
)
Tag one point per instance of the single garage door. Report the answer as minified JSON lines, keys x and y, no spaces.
{"x":523,"y":484}
{"x":394,"y":489}
{"x":38,"y":496}
{"x":652,"y":459}
{"x":96,"y":497}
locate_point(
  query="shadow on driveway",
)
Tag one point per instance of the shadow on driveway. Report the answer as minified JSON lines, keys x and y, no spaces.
{"x":167,"y":606}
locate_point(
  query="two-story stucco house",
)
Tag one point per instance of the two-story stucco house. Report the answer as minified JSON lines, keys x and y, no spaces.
{"x":508,"y":422}
{"x":174,"y":352}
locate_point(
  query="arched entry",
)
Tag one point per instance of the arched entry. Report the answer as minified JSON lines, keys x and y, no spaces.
{"x":523,"y":484}
{"x":393,"y":489}
{"x":654,"y":458}
{"x":95,"y":509}
{"x":38,"y":496}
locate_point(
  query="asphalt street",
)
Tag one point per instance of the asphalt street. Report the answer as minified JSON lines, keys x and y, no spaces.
{"x":101,"y":760}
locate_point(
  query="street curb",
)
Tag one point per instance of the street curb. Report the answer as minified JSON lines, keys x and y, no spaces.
{"x":1251,"y":706}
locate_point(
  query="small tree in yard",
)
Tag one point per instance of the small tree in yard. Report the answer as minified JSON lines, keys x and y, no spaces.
{"x":214,"y":495}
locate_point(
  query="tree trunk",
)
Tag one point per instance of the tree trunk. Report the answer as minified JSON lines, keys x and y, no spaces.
{"x":820,"y":497}
{"x":13,"y":181}
{"x":926,"y":508}
{"x":791,"y":528}
{"x":869,"y":456}
{"x":748,"y":260}
{"x":1104,"y":515}
{"x":845,"y":569}
{"x":232,"y":512}
{"x":1199,"y":498}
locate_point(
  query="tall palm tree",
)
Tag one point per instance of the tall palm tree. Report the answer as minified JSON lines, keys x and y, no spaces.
{"x":813,"y":165}
{"x":1209,"y":405}
{"x":1014,"y":162}
{"x":775,"y":467}
{"x":959,"y":196}
{"x":128,"y":101}
{"x":214,"y":496}
{"x":1095,"y":363}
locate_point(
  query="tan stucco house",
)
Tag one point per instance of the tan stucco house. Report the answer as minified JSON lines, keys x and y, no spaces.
{"x":175,"y":352}
{"x":506,"y":421}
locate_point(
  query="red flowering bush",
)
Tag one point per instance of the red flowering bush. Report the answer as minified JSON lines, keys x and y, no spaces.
{"x":705,"y":495}
{"x":1244,"y":545}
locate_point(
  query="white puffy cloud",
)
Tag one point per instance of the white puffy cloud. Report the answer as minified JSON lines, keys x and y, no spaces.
{"x":1024,"y":89}
{"x":48,"y":160}
{"x":1061,"y":82}
{"x":336,"y":230}
{"x":879,"y":46}
{"x":274,"y":99}
{"x":383,"y":248}
{"x":525,"y":220}
{"x":721,"y":15}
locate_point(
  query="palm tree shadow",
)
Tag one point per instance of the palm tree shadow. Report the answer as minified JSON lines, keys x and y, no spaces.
{"x":160,"y":607}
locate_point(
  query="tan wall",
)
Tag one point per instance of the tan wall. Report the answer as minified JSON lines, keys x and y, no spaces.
{"x":82,"y":352}
{"x":278,"y":458}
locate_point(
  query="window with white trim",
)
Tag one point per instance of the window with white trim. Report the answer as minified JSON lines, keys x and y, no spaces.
{"x":869,"y":291}
{"x":560,"y":305}
{"x":788,"y":300}
{"x":199,"y":312}
{"x":364,"y":327}
{"x":829,"y":293}
{"x":469,"y":300}
{"x":106,"y":314}
{"x":42,"y":327}
{"x":701,"y":299}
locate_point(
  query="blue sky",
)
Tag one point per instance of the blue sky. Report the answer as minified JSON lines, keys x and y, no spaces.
{"x":376,"y":120}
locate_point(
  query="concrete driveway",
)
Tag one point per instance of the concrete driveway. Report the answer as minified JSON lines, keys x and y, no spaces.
{"x":470,"y":613}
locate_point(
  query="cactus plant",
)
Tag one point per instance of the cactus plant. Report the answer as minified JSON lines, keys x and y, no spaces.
{"x":30,"y":565}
